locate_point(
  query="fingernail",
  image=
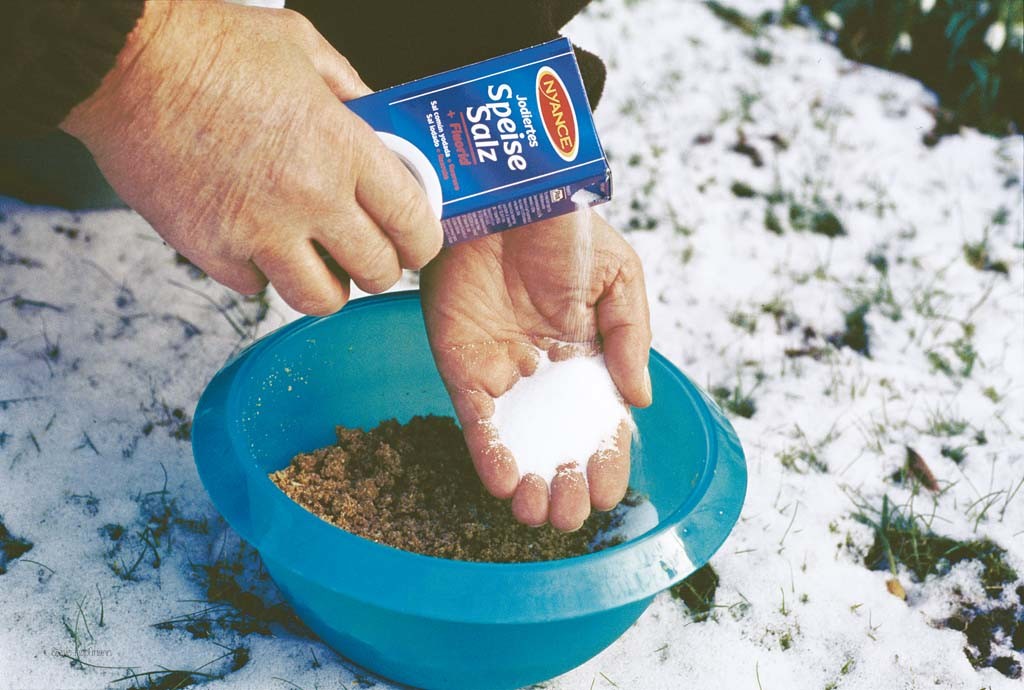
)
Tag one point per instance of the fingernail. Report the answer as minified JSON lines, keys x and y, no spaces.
{"x":647,"y":384}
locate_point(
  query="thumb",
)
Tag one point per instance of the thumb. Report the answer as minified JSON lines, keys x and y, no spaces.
{"x":338,"y":73}
{"x":623,"y":321}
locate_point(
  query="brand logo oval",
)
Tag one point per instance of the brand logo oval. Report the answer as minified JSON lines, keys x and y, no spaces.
{"x":557,"y":114}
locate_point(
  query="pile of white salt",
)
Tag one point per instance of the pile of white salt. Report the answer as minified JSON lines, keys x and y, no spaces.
{"x":563,"y":413}
{"x":566,"y":411}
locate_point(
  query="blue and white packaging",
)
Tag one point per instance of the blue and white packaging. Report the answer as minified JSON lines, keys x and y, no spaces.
{"x":497,"y":144}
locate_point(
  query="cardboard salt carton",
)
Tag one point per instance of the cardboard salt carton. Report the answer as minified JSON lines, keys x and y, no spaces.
{"x":497,"y":144}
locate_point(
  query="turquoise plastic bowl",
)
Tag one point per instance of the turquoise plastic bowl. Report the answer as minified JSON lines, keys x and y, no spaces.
{"x":431,"y":622}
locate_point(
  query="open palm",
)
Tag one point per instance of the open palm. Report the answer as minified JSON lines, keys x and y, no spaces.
{"x":491,"y":303}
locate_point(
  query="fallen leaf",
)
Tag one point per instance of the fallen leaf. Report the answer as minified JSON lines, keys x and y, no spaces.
{"x":895,"y":588}
{"x":919,"y":468}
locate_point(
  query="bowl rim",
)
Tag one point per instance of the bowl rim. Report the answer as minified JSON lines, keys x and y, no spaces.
{"x":617,"y":576}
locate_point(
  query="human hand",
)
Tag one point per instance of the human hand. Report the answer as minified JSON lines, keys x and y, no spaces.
{"x":490,"y":303}
{"x":223,"y":126}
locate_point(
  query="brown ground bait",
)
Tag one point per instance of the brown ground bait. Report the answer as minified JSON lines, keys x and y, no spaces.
{"x":413,"y":486}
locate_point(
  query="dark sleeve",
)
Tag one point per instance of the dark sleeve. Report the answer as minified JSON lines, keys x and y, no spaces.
{"x":54,"y":54}
{"x":394,"y":41}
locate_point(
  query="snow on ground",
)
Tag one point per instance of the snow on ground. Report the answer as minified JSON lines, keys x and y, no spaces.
{"x":717,"y":138}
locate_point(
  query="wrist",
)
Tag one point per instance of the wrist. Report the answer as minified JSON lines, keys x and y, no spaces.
{"x":97,"y":113}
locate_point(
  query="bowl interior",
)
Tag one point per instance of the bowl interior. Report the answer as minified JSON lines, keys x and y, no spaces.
{"x":372,"y":362}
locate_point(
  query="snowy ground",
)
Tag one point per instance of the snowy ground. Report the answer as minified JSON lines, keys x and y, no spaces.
{"x":106,"y":343}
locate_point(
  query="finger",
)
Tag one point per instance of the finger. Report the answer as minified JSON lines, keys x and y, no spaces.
{"x":303,"y":279}
{"x":570,"y":500}
{"x":623,"y":320}
{"x":240,"y":276}
{"x":475,"y":376}
{"x":363,"y":251}
{"x":493,"y":462}
{"x":526,"y":361}
{"x":608,"y":472}
{"x":395,"y":200}
{"x":530,"y":502}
